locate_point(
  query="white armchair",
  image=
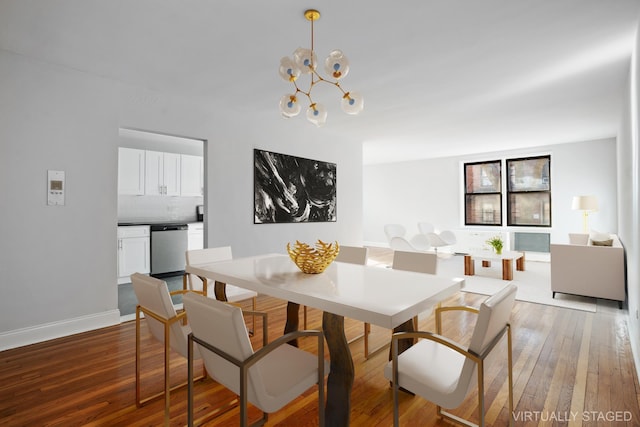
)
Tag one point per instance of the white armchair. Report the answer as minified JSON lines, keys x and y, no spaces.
{"x":444,"y":238}
{"x":441,"y":370}
{"x":269,"y":378}
{"x":165,"y":325}
{"x":233,"y":293}
{"x":419,"y":262}
{"x":394,"y":230}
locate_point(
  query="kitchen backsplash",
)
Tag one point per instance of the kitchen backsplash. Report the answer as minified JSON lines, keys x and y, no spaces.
{"x":157,"y":208}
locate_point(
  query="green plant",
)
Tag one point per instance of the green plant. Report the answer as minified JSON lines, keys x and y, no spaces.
{"x":496,"y":243}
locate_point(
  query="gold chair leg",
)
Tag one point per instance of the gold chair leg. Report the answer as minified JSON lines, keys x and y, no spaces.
{"x":167,"y":385}
{"x":138,"y":403}
{"x":367,"y":353}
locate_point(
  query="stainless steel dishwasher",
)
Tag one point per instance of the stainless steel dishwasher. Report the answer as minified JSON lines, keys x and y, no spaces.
{"x":168,"y":247}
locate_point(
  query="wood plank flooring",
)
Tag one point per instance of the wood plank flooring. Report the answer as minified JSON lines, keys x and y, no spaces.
{"x":571,"y":368}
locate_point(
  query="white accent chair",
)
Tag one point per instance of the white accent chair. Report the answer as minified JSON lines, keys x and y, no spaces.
{"x":441,"y":370}
{"x":444,"y":238}
{"x":394,"y":230}
{"x":233,"y":293}
{"x":165,"y":325}
{"x":418,"y":243}
{"x":269,"y":378}
{"x":419,"y":262}
{"x":425,"y":228}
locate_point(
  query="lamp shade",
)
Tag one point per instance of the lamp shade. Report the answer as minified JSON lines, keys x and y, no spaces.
{"x":584,"y":203}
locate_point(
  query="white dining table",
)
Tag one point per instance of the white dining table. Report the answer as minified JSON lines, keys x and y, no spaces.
{"x":380,"y":296}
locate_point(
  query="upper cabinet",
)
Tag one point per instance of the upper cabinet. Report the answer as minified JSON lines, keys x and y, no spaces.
{"x":131,"y":177}
{"x":154,"y":173}
{"x":191,"y":175}
{"x":162,"y":176}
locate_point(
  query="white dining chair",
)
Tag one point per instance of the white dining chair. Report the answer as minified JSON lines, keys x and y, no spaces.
{"x":419,"y":262}
{"x":268,"y":378}
{"x":442,"y":371}
{"x":233,"y":293}
{"x":354,"y":255}
{"x":165,"y":325}
{"x":351,"y":255}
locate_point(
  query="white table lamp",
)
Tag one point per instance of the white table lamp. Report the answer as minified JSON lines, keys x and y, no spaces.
{"x":586,"y":204}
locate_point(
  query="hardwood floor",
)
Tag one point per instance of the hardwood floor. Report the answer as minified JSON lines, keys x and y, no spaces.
{"x":569,"y":366}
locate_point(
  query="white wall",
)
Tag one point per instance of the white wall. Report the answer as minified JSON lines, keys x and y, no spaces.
{"x":58,"y":264}
{"x":629,"y":199}
{"x":431,"y":190}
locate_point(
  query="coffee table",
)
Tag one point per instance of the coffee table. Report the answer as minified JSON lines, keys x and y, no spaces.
{"x":507,"y":258}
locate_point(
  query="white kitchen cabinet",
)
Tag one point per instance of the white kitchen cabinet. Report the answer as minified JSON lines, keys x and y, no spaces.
{"x":131,"y":176}
{"x":195,"y":235}
{"x":133,"y":251}
{"x":191,"y":175}
{"x":162,"y":174}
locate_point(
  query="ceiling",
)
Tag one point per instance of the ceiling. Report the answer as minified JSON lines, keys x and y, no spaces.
{"x":439,"y":77}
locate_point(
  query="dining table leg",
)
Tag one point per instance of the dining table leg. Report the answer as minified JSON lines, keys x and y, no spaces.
{"x":219,"y":290}
{"x":341,"y":374}
{"x":292,"y":322}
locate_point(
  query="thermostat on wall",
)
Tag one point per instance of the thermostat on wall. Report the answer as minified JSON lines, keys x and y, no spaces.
{"x":55,"y":188}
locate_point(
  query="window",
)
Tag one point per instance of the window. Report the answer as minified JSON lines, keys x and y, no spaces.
{"x":483,"y":193}
{"x":529,"y":191}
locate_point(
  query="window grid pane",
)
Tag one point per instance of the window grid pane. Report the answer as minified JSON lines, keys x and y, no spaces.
{"x":483,"y":193}
{"x":529,"y":192}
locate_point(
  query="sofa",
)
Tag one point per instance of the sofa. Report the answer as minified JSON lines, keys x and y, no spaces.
{"x":588,"y":266}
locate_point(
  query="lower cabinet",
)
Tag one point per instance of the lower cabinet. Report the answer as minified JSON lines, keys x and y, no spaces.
{"x":195,"y":236}
{"x":133,"y":252}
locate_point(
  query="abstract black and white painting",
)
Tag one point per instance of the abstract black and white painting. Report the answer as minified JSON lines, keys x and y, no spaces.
{"x":293,"y":189}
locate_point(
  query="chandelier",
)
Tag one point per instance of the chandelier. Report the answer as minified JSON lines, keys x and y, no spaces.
{"x":304,"y":61}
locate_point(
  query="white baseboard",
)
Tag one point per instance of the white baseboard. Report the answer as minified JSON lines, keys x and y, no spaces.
{"x":62,"y":328}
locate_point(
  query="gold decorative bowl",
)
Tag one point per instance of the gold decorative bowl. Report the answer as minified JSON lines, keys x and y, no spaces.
{"x":313,"y":260}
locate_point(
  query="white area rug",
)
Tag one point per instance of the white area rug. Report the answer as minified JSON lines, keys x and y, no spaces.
{"x":534,"y":284}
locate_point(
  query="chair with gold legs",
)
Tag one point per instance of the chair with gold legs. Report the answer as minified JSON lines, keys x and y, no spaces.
{"x":233,"y":293}
{"x":419,"y":262}
{"x":441,"y":370}
{"x":268,"y":378}
{"x":165,"y":324}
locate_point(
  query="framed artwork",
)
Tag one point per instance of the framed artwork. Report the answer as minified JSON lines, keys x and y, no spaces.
{"x":290,"y":189}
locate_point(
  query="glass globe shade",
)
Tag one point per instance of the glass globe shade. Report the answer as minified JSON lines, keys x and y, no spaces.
{"x":352,"y":103}
{"x":336,"y":65}
{"x":289,"y":106}
{"x":289,"y":70}
{"x":317,"y":114}
{"x":305,"y":59}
